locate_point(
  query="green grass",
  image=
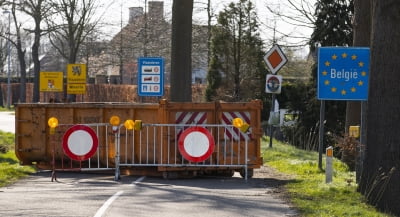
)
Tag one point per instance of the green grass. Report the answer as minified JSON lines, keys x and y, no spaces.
{"x":5,"y":109}
{"x":308,"y":191}
{"x":7,"y":141}
{"x":10,"y":170}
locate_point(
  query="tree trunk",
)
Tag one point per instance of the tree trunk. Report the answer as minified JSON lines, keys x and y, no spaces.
{"x":36,"y":63}
{"x":181,"y":51}
{"x":381,"y":175}
{"x":22,"y":65}
{"x":361,"y":38}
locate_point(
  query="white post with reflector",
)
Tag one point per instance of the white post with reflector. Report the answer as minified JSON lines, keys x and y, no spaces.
{"x":329,"y":164}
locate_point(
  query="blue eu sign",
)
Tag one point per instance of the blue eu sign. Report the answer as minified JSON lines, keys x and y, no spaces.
{"x":343,"y":73}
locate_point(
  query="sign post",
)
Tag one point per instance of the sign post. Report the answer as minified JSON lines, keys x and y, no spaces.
{"x":275,"y":60}
{"x":151,"y":76}
{"x":343,"y":74}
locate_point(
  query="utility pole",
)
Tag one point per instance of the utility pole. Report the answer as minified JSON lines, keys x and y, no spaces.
{"x":8,"y":60}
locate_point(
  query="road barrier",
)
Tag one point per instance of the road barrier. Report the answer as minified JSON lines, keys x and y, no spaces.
{"x":151,"y":148}
{"x":197,"y":149}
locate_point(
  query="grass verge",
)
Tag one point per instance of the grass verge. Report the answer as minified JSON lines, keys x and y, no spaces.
{"x":10,"y":170}
{"x":308,"y":191}
{"x":4,"y":109}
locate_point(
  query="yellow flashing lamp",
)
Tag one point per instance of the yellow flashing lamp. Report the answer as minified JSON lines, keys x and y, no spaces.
{"x":115,"y":121}
{"x":129,"y":124}
{"x":138,"y":125}
{"x":53,"y":123}
{"x":240,"y":124}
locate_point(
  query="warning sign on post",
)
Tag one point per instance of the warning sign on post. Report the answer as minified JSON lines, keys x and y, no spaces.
{"x":51,"y":81}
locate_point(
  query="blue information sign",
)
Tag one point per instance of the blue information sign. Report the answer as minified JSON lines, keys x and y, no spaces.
{"x":343,"y":73}
{"x":151,"y":76}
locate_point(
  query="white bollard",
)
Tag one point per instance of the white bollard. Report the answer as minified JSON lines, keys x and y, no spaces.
{"x":329,"y":164}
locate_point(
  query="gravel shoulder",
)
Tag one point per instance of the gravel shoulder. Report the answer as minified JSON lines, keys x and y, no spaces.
{"x":275,"y":182}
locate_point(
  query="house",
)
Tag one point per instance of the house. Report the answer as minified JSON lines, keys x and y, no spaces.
{"x":146,"y":35}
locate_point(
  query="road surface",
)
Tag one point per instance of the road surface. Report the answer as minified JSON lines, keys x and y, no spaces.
{"x":77,"y":194}
{"x":7,"y":122}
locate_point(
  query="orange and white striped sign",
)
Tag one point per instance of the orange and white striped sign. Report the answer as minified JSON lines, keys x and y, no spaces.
{"x":234,"y":133}
{"x":190,"y":118}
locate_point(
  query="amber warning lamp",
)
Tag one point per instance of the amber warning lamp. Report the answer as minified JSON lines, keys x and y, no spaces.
{"x":53,"y":123}
{"x":240,"y":124}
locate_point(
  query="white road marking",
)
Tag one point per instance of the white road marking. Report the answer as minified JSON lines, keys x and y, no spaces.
{"x":105,"y":206}
{"x":138,"y":180}
{"x":110,"y":200}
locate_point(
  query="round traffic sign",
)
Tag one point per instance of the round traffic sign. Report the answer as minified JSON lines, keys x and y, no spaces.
{"x":80,"y":142}
{"x":196,"y":144}
{"x":273,"y":84}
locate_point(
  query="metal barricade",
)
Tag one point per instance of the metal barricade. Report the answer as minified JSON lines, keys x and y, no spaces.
{"x":156,"y":145}
{"x":102,"y":159}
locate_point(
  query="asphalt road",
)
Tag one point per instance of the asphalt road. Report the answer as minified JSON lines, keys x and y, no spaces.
{"x":77,"y":194}
{"x":98,"y":195}
{"x":7,"y":122}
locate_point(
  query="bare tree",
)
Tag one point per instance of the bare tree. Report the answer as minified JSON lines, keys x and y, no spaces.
{"x":37,"y":10}
{"x":69,"y":33}
{"x":21,"y":51}
{"x":77,"y":22}
{"x":296,"y":14}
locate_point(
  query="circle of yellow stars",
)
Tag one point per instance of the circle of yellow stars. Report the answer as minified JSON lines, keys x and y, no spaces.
{"x":344,"y":56}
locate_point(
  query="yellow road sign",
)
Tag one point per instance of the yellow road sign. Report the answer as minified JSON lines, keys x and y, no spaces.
{"x":76,"y":73}
{"x":76,"y":88}
{"x":51,"y":82}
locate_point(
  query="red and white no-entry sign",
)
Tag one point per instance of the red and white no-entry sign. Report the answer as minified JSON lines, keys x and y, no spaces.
{"x":196,"y":144}
{"x":80,"y":142}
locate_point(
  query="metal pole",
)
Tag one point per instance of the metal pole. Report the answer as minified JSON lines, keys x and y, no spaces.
{"x":117,"y":152}
{"x":363,"y":140}
{"x":321,"y":132}
{"x":271,"y":127}
{"x":8,"y":60}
